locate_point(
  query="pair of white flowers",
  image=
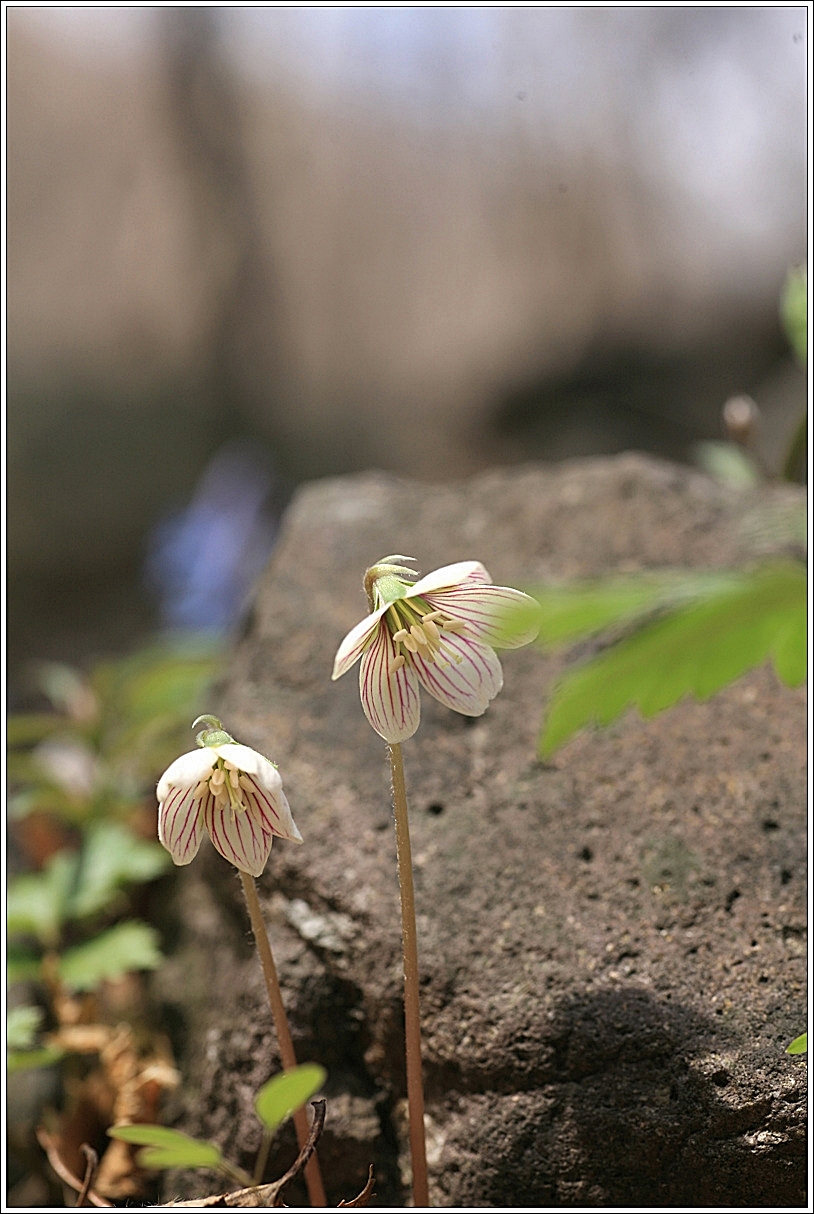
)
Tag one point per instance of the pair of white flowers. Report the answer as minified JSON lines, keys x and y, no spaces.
{"x":439,"y":632}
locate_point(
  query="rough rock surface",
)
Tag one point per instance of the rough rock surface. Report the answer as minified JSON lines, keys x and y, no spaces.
{"x":612,"y":944}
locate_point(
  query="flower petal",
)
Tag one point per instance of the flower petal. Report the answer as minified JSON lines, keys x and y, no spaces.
{"x":496,"y":615}
{"x":187,"y":770}
{"x":241,"y":838}
{"x":462,"y":573}
{"x":466,"y":684}
{"x":356,"y":642}
{"x":252,"y":763}
{"x":390,"y":701}
{"x":271,"y":808}
{"x":180,"y":823}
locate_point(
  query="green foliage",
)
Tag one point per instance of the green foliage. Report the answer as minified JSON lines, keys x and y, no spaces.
{"x":111,"y":858}
{"x":73,"y":885}
{"x":28,"y":1060}
{"x":794,"y":311}
{"x":285,"y":1093}
{"x":127,"y":946}
{"x":696,"y":649}
{"x":112,"y":733}
{"x":37,"y":903}
{"x":22,"y":965}
{"x":580,"y":609}
{"x":92,"y":762}
{"x":799,"y":1045}
{"x":165,"y":1148}
{"x":22,"y":1026}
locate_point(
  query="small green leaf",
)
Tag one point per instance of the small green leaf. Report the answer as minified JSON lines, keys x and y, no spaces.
{"x":37,"y":903}
{"x":111,"y":857}
{"x":166,"y":1148}
{"x":22,"y":1025}
{"x":27,"y":1060}
{"x":696,"y":650}
{"x":794,"y":311}
{"x":799,"y":1045}
{"x":286,"y":1093}
{"x":127,"y":946}
{"x":728,"y":463}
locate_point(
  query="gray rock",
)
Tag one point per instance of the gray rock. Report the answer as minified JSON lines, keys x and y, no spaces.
{"x":612,"y":944}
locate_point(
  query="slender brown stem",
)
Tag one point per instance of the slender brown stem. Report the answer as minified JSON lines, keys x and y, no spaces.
{"x":313,"y":1176}
{"x":412,"y":1017}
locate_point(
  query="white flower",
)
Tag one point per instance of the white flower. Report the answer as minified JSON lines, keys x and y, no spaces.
{"x":230,"y":791}
{"x":440,"y":633}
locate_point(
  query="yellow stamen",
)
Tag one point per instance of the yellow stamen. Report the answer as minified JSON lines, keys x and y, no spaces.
{"x":396,"y":664}
{"x":454,"y":626}
{"x":400,"y":635}
{"x":430,"y":629}
{"x":410,"y":643}
{"x":418,"y":635}
{"x":218,"y":777}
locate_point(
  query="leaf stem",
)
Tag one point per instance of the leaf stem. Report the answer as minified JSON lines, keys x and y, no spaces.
{"x":313,"y":1177}
{"x":412,"y":1016}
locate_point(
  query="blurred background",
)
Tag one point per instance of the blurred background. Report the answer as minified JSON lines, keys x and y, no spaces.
{"x":252,"y":246}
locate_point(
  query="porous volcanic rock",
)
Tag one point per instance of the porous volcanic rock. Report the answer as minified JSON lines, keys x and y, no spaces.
{"x":612,"y":943}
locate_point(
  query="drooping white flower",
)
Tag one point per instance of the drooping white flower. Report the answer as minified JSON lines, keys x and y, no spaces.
{"x":440,"y":632}
{"x":233,"y":793}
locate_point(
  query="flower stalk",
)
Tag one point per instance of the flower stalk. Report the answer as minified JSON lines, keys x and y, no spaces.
{"x":412,"y":1014}
{"x":313,"y":1176}
{"x":439,"y":633}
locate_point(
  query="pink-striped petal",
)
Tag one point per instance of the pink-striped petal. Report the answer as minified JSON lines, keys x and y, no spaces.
{"x":270,"y":806}
{"x":241,"y":837}
{"x":462,"y":573}
{"x":356,"y":642}
{"x":466,"y":684}
{"x":187,"y":770}
{"x":496,"y":615}
{"x":180,"y":823}
{"x":390,"y":701}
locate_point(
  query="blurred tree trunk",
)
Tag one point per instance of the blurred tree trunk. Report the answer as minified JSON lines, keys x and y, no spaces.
{"x":241,"y":348}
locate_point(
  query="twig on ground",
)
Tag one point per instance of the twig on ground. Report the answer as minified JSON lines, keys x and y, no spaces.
{"x":367,"y":1192}
{"x":91,"y":1164}
{"x":67,"y":1177}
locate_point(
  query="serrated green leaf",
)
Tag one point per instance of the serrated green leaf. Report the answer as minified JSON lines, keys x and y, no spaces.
{"x":166,"y":1148}
{"x":581,"y":609}
{"x":26,"y":1060}
{"x":111,"y":857}
{"x":286,"y":1093}
{"x":127,"y":946}
{"x":799,"y":1045}
{"x":37,"y":903}
{"x":794,"y":311}
{"x":696,"y":650}
{"x":22,"y":1025}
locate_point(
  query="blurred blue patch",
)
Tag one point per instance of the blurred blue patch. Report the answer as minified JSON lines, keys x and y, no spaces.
{"x":202,"y":561}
